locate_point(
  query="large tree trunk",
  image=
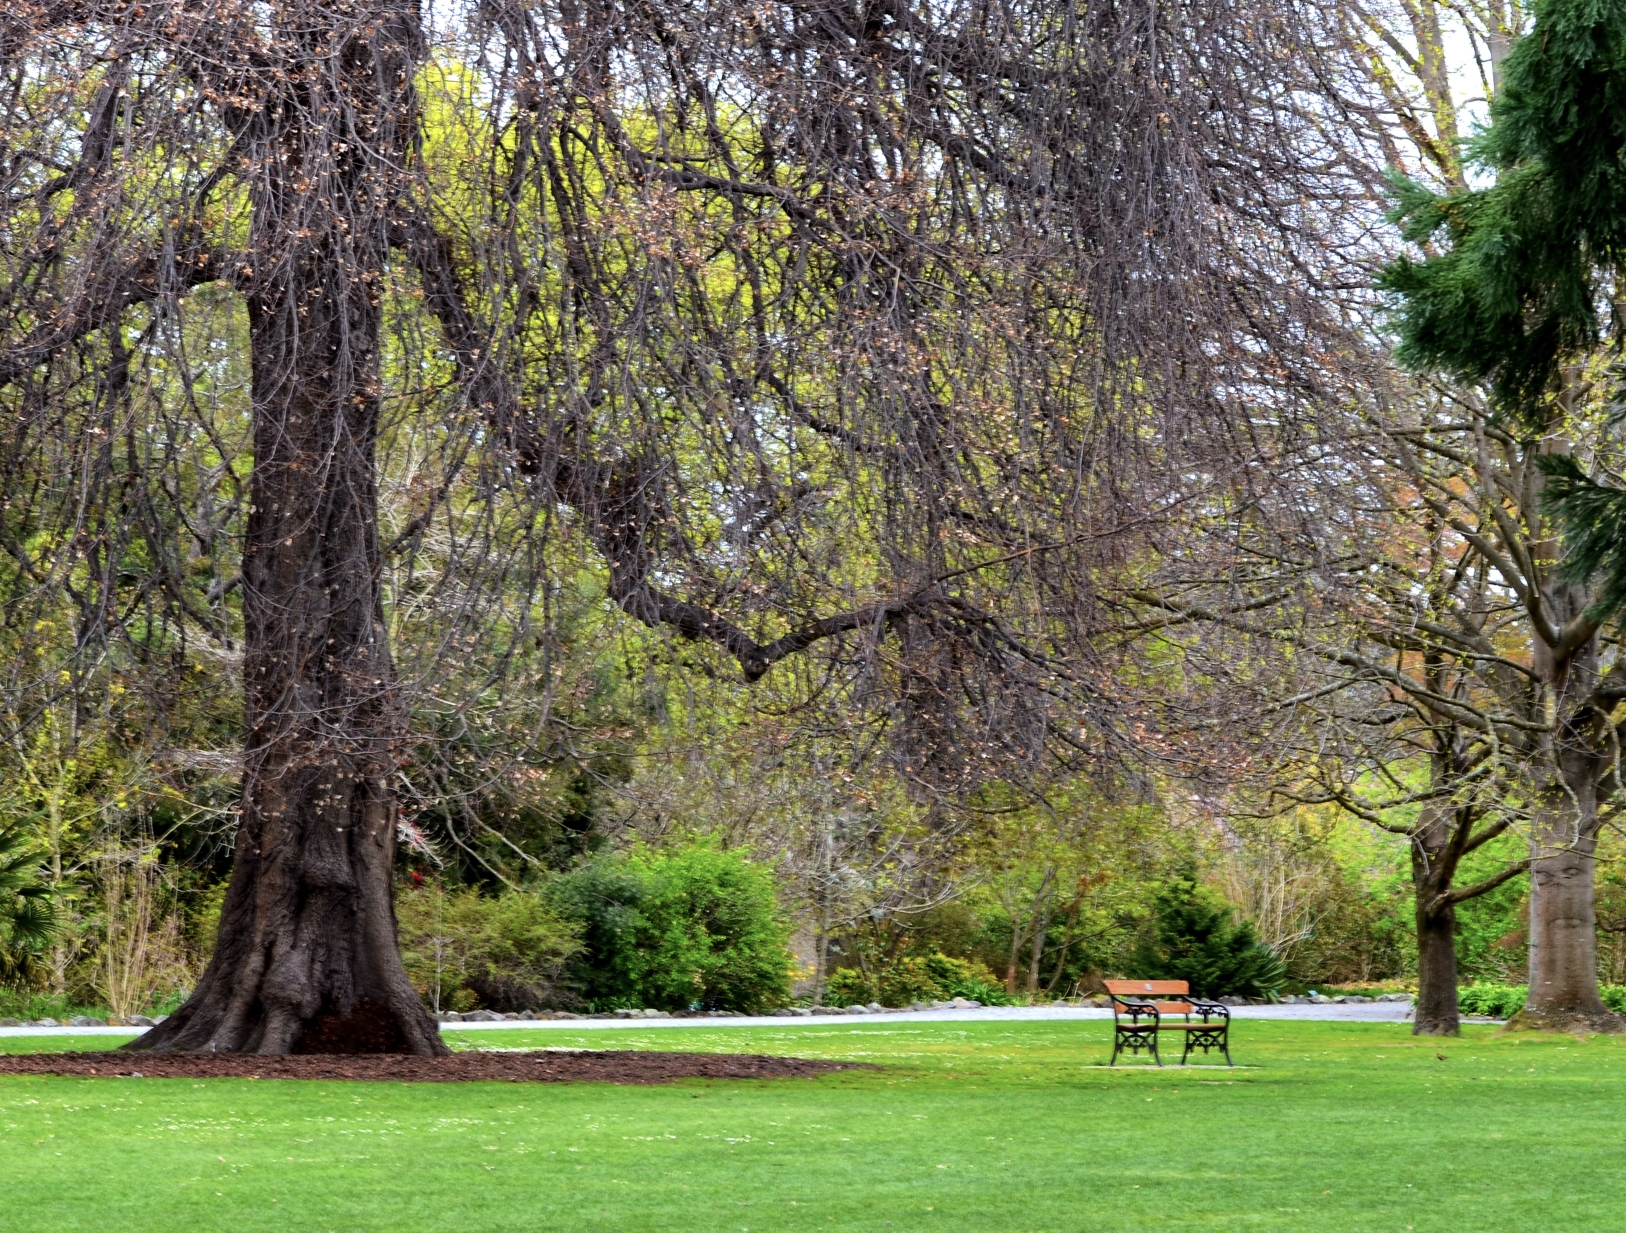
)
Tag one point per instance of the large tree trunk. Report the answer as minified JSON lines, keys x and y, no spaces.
{"x":306,"y":959}
{"x":1436,"y":1013}
{"x":1563,"y":918}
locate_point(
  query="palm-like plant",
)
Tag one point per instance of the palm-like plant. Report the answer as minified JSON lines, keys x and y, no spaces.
{"x":27,"y":914}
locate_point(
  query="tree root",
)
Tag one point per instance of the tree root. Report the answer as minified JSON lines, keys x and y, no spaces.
{"x":1442,"y":1026}
{"x":1565,"y":1019}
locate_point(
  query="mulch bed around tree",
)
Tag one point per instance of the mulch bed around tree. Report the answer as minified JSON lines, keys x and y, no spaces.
{"x":538,"y":1066}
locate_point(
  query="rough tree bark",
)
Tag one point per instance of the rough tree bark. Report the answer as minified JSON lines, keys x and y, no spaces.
{"x":1444,"y":834}
{"x":307,"y":959}
{"x":1437,"y":1013}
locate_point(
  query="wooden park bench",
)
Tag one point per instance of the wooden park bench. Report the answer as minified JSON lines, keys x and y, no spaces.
{"x":1138,"y":1010}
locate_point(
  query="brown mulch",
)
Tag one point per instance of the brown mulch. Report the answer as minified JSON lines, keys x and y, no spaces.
{"x":535,"y":1066}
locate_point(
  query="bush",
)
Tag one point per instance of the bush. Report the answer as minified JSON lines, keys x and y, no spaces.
{"x":848,"y":987}
{"x":464,"y":949}
{"x":985,"y":991}
{"x":909,"y":980}
{"x":603,"y":897}
{"x":1495,"y":1001}
{"x":676,"y":928}
{"x":967,"y":978}
{"x":27,"y":915}
{"x":1195,"y":937}
{"x":915,"y":979}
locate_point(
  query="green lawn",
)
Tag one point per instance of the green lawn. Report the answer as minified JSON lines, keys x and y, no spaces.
{"x":969,"y":1126}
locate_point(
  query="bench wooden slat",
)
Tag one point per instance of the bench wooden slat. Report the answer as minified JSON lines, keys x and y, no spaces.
{"x":1135,"y":987}
{"x":1171,"y":1008}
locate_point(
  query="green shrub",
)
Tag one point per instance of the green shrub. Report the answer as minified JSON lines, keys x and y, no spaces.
{"x":718,"y":938}
{"x":916,"y":979}
{"x":986,"y":992}
{"x":1494,"y":1001}
{"x":1498,"y":1001}
{"x":464,"y":949}
{"x":1196,"y":937}
{"x":908,"y":980}
{"x":848,"y":987}
{"x":949,"y":974}
{"x":27,"y":914}
{"x":604,"y":897}
{"x":967,"y":978}
{"x":674,"y":928}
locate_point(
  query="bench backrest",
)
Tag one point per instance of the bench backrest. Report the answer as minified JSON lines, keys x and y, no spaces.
{"x":1148,"y":991}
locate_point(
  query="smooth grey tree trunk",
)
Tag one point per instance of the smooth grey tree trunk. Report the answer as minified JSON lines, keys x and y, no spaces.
{"x":1563,"y":915}
{"x":1563,"y":967}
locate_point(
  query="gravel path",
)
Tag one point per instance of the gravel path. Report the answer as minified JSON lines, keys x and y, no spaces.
{"x":1372,"y":1012}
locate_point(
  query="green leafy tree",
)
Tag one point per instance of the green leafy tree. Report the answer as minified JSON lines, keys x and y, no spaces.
{"x":1196,"y":937}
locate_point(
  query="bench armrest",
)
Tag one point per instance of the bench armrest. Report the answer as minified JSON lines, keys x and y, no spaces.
{"x":1205,"y":1008}
{"x":1137,"y":1008}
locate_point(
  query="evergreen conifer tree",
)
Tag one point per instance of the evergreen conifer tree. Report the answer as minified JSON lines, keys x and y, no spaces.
{"x":1198,"y":939}
{"x":1513,"y":292}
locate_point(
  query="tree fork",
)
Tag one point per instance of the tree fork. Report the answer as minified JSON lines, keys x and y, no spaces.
{"x":306,"y":959}
{"x":1563,"y":980}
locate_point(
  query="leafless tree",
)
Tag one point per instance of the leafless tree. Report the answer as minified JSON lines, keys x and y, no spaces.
{"x":860,"y":331}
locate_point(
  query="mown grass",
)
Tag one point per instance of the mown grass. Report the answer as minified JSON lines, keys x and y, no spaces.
{"x":968,"y":1126}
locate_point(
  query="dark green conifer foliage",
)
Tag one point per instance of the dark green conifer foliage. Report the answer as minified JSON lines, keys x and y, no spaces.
{"x":1594,"y":520}
{"x":1514,"y":286}
{"x":1524,"y":265}
{"x":1196,"y":937}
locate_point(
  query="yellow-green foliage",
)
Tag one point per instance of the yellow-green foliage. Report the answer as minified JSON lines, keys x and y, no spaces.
{"x":916,"y":978}
{"x":463,"y":949}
